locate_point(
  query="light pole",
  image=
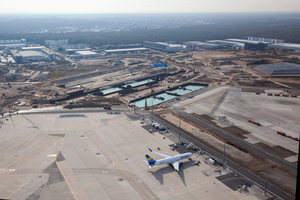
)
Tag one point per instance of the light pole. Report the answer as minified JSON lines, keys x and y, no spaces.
{"x":265,"y":193}
{"x":152,"y":103}
{"x":134,"y":103}
{"x":224,"y":151}
{"x":152,"y":110}
{"x":170,"y":105}
{"x":179,"y":128}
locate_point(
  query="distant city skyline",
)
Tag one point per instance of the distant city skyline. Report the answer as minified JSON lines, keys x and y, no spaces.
{"x":147,"y":6}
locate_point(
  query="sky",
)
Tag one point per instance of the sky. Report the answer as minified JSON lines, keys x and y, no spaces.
{"x":146,"y":6}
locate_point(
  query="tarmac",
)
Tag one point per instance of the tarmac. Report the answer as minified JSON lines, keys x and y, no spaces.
{"x":98,"y":156}
{"x":273,"y":113}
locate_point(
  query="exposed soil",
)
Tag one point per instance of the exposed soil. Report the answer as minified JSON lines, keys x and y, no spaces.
{"x":269,"y":84}
{"x":251,"y":161}
{"x":231,"y":129}
{"x":276,"y":150}
{"x":254,"y":90}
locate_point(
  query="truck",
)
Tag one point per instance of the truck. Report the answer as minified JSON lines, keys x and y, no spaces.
{"x":107,"y":107}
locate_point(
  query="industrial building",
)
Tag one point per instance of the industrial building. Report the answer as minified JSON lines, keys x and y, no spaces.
{"x":52,"y":55}
{"x":164,"y":46}
{"x":86,"y":54}
{"x":11,"y":75}
{"x":134,"y":50}
{"x":22,"y":41}
{"x":269,"y":40}
{"x":28,"y":56}
{"x":10,"y":60}
{"x":72,"y":51}
{"x":227,"y":44}
{"x":129,"y":46}
{"x":249,"y":44}
{"x":108,"y":47}
{"x":56,"y":43}
{"x":3,"y":59}
{"x":286,"y":46}
{"x":279,"y":69}
{"x":32,"y":48}
{"x":12,"y":44}
{"x":195,"y":45}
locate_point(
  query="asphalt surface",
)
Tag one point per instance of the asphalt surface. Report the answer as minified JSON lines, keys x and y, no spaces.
{"x":240,"y":142}
{"x":232,"y":165}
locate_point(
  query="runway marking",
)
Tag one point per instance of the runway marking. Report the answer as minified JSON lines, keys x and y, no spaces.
{"x":51,"y":155}
{"x":28,"y":181}
{"x":23,"y":158}
{"x":133,"y":173}
{"x":56,"y":160}
{"x":115,"y":165}
{"x":23,"y":146}
{"x":42,"y":171}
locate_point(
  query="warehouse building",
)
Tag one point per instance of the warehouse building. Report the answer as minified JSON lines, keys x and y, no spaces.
{"x":12,"y":44}
{"x":86,"y":54}
{"x":129,"y":46}
{"x":56,"y":43}
{"x":268,"y":40}
{"x":134,"y":50}
{"x":195,"y":45}
{"x":32,"y":48}
{"x":72,"y":51}
{"x":250,"y":45}
{"x":164,"y":46}
{"x":279,"y":69}
{"x":28,"y":56}
{"x":108,"y":47}
{"x":51,"y":54}
{"x":227,"y":44}
{"x":286,"y":46}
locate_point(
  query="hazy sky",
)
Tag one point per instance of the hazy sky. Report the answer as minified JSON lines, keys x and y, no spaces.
{"x":146,"y":6}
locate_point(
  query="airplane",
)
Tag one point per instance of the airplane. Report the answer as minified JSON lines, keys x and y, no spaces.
{"x":174,"y":160}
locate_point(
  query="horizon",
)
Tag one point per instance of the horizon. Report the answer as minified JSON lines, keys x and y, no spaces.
{"x":144,"y":6}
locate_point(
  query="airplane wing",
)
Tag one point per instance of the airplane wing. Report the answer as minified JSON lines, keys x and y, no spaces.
{"x":176,"y":166}
{"x":160,"y":154}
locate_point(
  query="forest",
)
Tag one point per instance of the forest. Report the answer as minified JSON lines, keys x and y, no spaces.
{"x":219,"y":26}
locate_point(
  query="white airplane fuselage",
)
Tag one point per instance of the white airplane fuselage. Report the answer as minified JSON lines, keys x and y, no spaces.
{"x":173,"y":159}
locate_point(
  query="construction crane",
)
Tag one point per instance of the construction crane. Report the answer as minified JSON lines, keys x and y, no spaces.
{"x":40,"y":91}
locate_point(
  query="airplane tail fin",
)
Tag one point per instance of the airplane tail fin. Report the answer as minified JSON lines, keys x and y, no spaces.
{"x":151,"y":161}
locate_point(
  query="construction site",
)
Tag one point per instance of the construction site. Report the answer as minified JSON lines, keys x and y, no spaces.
{"x":218,"y":98}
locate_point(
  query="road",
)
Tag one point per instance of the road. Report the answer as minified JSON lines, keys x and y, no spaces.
{"x":232,"y":165}
{"x":209,"y":151}
{"x":240,"y":142}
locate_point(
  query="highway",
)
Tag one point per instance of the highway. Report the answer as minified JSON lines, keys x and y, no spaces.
{"x":232,"y":165}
